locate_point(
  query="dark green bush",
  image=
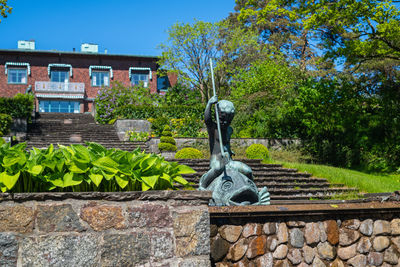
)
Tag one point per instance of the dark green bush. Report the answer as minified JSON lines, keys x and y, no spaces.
{"x":166,"y":131}
{"x":167,"y":143}
{"x":164,"y":147}
{"x":167,"y":139}
{"x":170,"y":112}
{"x":19,"y":106}
{"x":158,"y":124}
{"x":189,"y":153}
{"x":5,"y":124}
{"x":257,"y":151}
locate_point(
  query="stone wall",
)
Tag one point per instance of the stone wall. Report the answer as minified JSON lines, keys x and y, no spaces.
{"x":352,"y":234}
{"x":166,"y":228}
{"x":123,"y":126}
{"x":182,"y":142}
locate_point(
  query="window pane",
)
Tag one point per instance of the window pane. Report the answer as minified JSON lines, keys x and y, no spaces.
{"x":59,"y":76}
{"x":137,"y":78}
{"x":100,"y":78}
{"x":17,"y":75}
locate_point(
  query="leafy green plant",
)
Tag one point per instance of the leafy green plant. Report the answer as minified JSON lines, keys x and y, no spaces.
{"x":80,"y":168}
{"x":187,"y":127}
{"x":257,"y":151}
{"x":137,"y":136}
{"x":189,"y":153}
{"x":5,"y":124}
{"x":19,"y":106}
{"x":158,"y":124}
{"x":167,"y":143}
{"x":110,"y":99}
{"x":167,"y":139}
{"x":143,"y":112}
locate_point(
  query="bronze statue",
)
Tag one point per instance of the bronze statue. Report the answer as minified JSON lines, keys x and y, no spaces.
{"x":231,"y":181}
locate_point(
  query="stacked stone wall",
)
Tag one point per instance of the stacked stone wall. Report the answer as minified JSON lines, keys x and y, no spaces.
{"x":99,"y":229}
{"x":335,"y":238}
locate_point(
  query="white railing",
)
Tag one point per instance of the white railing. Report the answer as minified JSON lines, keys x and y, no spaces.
{"x":60,"y":87}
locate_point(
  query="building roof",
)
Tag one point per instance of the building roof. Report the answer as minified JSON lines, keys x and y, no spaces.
{"x":13,"y":51}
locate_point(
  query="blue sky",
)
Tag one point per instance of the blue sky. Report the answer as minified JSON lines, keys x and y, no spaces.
{"x":122,"y":27}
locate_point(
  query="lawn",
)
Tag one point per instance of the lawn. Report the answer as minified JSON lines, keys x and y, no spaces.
{"x":367,"y":183}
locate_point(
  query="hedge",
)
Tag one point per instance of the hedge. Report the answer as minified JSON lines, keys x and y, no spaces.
{"x":19,"y":106}
{"x":145,"y":112}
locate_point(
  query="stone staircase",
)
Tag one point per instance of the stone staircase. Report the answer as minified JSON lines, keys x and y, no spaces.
{"x":69,"y":128}
{"x":284,"y":185}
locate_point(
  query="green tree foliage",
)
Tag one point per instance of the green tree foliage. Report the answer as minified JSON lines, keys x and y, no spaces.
{"x":4,"y":9}
{"x":260,"y":93}
{"x":191,"y":46}
{"x":359,"y":30}
{"x":189,"y":50}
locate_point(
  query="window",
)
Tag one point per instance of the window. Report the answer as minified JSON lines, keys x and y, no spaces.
{"x":17,"y":72}
{"x":138,"y":78}
{"x":100,"y":75}
{"x":163,"y":83}
{"x":100,"y":78}
{"x":60,"y":76}
{"x":139,"y":75}
{"x":17,"y":75}
{"x":59,"y":106}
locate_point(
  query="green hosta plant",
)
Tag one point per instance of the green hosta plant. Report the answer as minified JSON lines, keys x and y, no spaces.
{"x":81,"y":168}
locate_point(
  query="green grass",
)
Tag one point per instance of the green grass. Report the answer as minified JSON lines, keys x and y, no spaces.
{"x":368,"y":183}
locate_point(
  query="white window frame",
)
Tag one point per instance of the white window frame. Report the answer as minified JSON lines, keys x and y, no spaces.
{"x":133,"y":69}
{"x":59,"y":65}
{"x":99,"y":68}
{"x":17,"y":65}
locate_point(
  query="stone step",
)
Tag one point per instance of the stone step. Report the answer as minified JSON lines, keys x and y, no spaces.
{"x":274,"y":184}
{"x":206,"y":162}
{"x":275,"y":179}
{"x":265,"y":173}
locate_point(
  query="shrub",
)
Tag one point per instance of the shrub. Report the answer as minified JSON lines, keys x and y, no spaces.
{"x":164,"y":147}
{"x":257,"y":151}
{"x":137,"y":136}
{"x":79,"y":169}
{"x":19,"y":106}
{"x":167,"y":143}
{"x":189,"y":153}
{"x":110,"y":100}
{"x":5,"y":124}
{"x":187,"y":127}
{"x":166,"y":131}
{"x":158,"y":124}
{"x":167,"y":139}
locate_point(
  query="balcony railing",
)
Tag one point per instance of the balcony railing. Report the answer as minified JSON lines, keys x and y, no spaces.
{"x":57,"y":87}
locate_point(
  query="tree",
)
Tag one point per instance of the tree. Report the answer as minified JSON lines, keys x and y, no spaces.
{"x":191,"y":46}
{"x":4,"y":9}
{"x":358,"y":30}
{"x":189,"y":50}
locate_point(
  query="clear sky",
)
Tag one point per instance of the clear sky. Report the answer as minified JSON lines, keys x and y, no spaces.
{"x":134,"y":27}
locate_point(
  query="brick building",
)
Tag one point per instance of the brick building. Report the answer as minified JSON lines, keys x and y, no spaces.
{"x":69,"y":81}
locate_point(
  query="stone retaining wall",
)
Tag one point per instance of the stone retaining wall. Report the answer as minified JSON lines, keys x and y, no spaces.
{"x":358,"y":234}
{"x":182,"y":142}
{"x":165,"y":228}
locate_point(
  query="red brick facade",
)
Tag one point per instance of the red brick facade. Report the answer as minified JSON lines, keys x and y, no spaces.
{"x":80,"y":62}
